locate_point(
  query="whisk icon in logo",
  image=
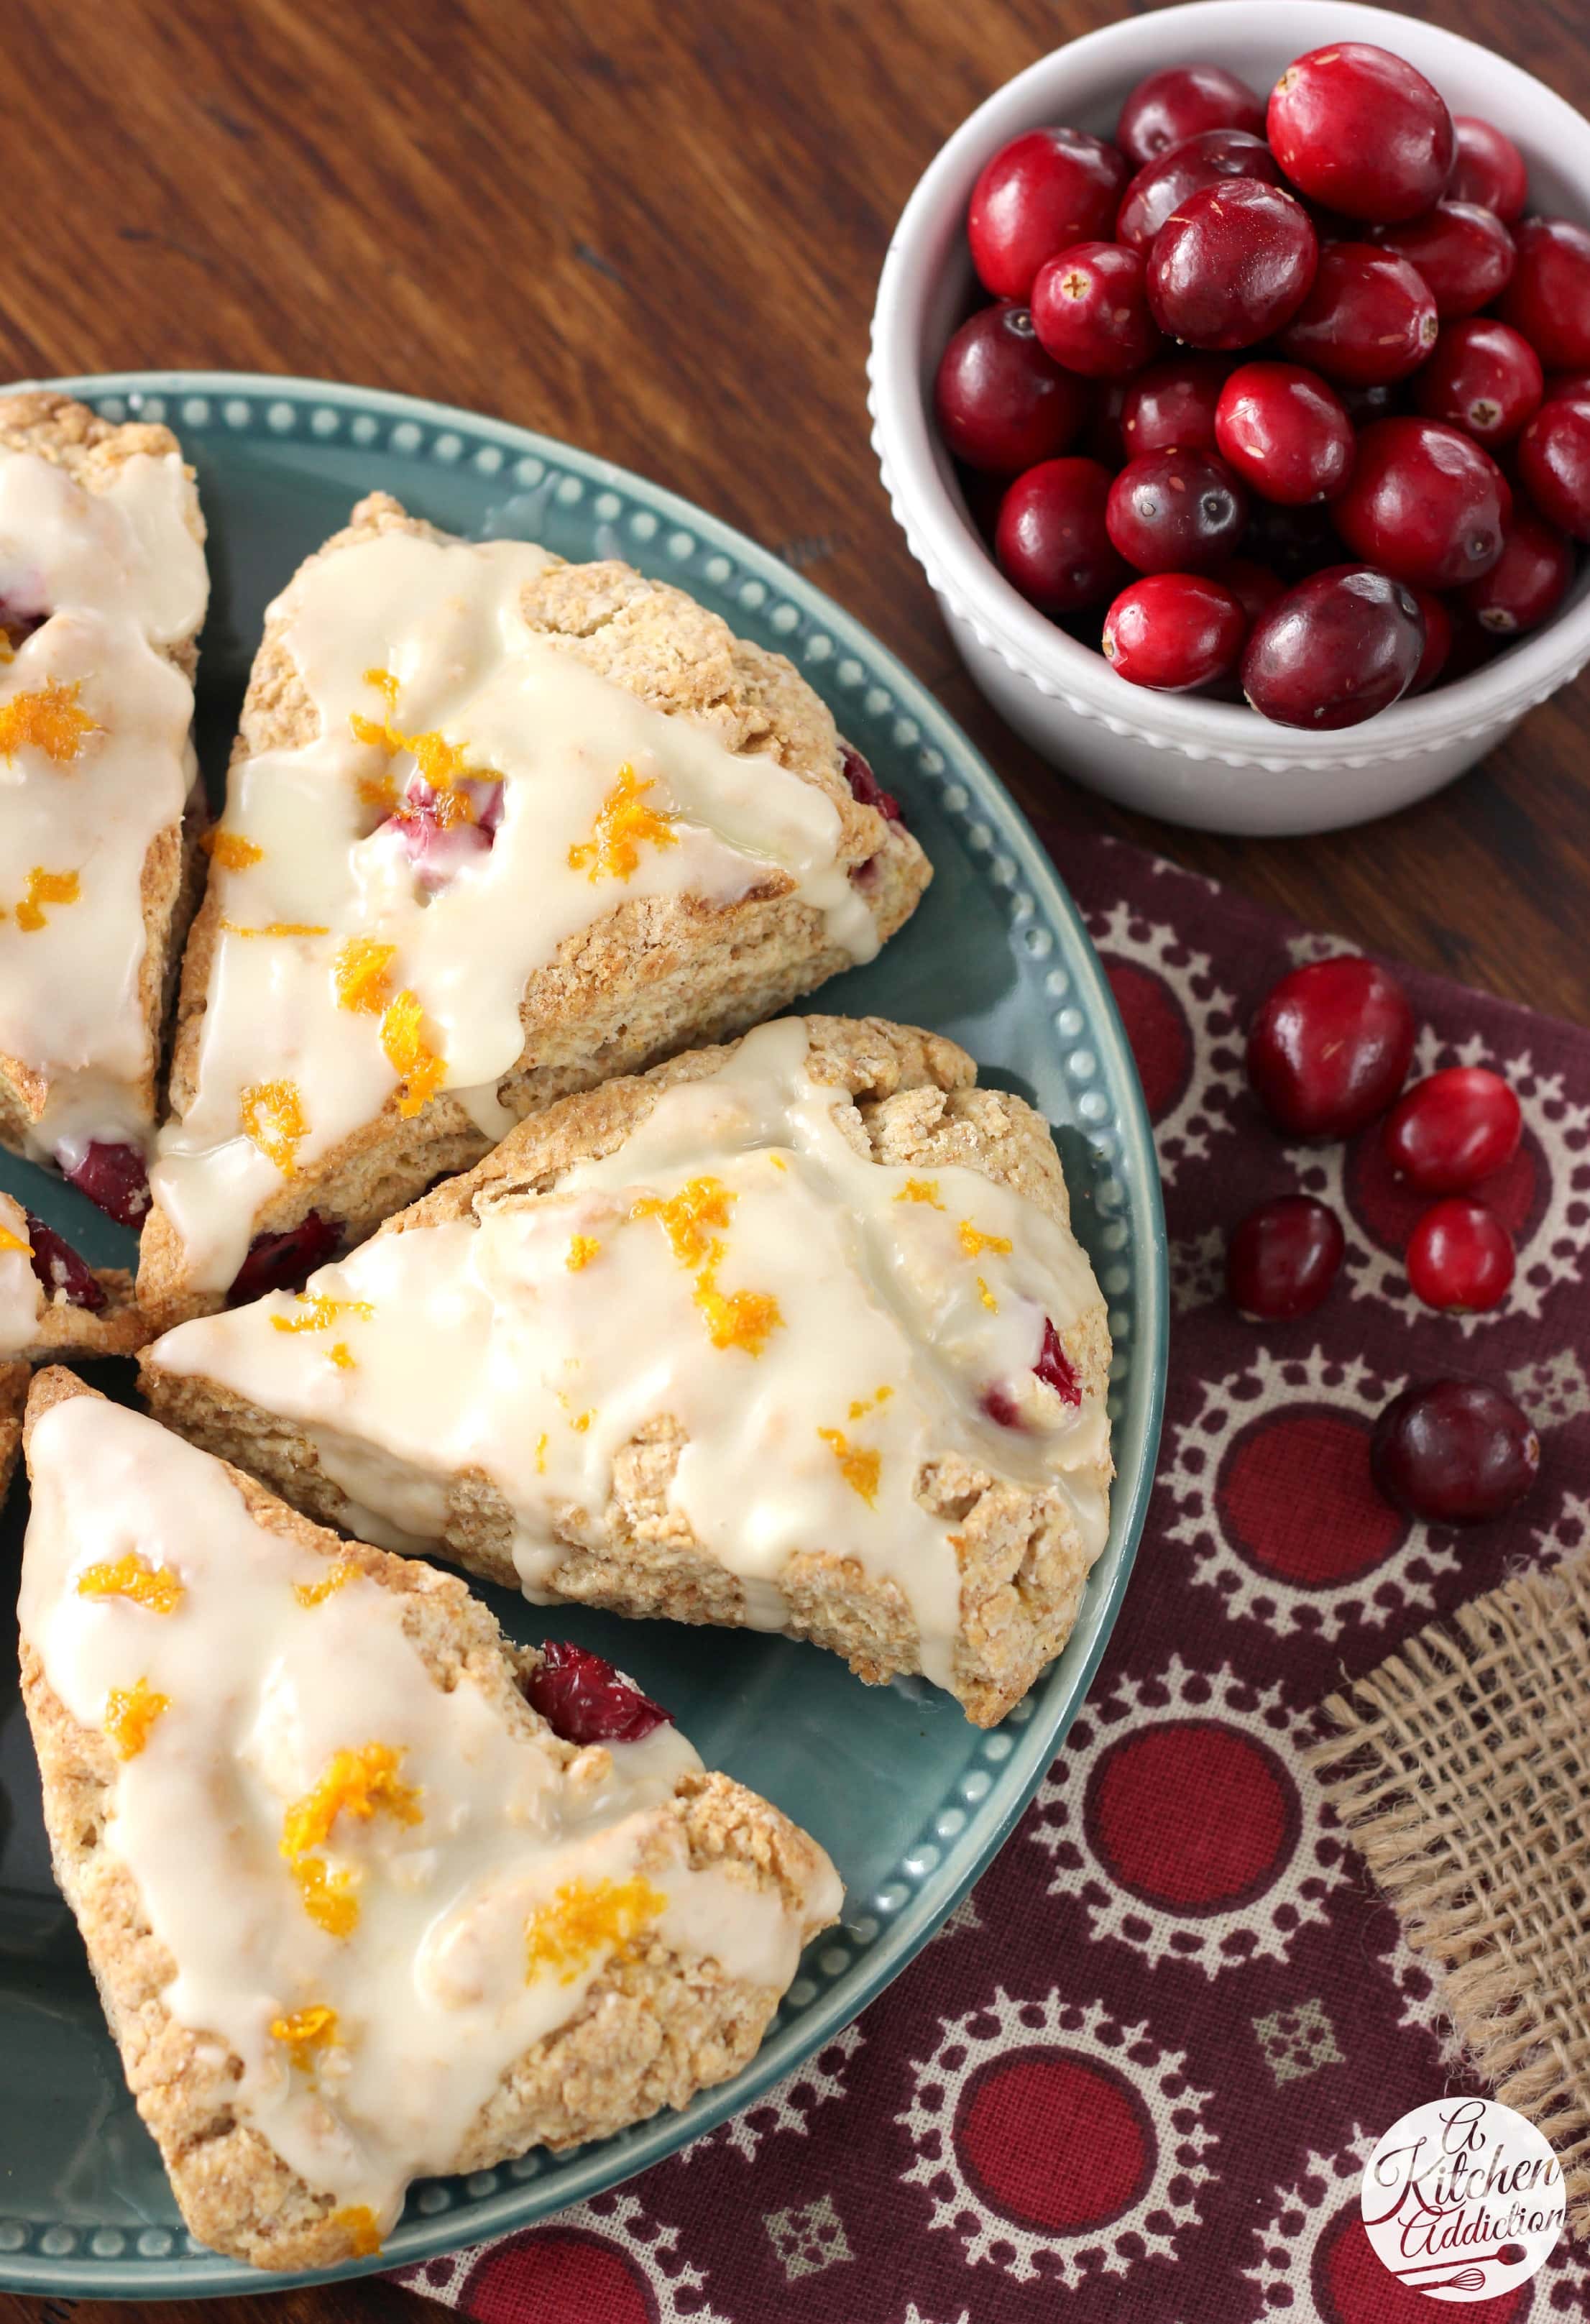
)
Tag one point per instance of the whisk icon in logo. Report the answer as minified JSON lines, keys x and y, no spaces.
{"x":1462,"y":2200}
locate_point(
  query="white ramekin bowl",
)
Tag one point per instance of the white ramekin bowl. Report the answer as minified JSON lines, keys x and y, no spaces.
{"x":1216,"y":765}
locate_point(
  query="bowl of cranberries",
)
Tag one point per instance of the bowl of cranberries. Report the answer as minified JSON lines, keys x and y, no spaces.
{"x":1231,"y":383}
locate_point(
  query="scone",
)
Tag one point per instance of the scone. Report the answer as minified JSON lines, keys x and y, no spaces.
{"x":793,"y":1334}
{"x":498,"y":828}
{"x":368,"y":1892}
{"x":103,"y":589}
{"x":52,"y":1304}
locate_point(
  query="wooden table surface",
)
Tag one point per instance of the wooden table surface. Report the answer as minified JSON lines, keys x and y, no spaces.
{"x":654,"y":228}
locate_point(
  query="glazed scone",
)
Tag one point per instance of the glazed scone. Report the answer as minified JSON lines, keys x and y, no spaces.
{"x":498,"y":828}
{"x":103,"y":590}
{"x":356,"y":1908}
{"x":53,"y":1303}
{"x":791,"y":1334}
{"x":14,"y":1395}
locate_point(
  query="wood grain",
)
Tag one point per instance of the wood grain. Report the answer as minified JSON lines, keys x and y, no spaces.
{"x":655,"y":229}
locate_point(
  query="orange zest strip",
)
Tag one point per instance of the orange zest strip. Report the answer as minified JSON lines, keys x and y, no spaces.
{"x":315,"y":1593}
{"x":359,"y":1784}
{"x":45,"y":888}
{"x":363,"y":983}
{"x":864,"y":1405}
{"x":304,"y":2032}
{"x":623,"y":826}
{"x":975,"y":1242}
{"x":859,"y":1465}
{"x":9,"y":1241}
{"x":987,"y":1298}
{"x":271,"y":1114}
{"x":341,"y":1355}
{"x":229,"y":849}
{"x":421,"y":1071}
{"x":329,"y":1897}
{"x":582,"y":1250}
{"x":358,"y":2223}
{"x":442,"y":764}
{"x":685,"y":1218}
{"x":46,"y":718}
{"x":321,"y":1312}
{"x":586,"y":1918}
{"x":736,"y":1319}
{"x":130,"y":1714}
{"x":921,"y":1190}
{"x":153,"y":1587}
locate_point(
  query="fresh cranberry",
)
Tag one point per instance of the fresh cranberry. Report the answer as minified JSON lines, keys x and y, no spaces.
{"x":864,"y":787}
{"x":1489,"y":169}
{"x":1528,"y":582}
{"x":1041,"y":193}
{"x":1437,"y":640}
{"x":1368,"y":321}
{"x":1452,"y":1130}
{"x":1254,"y":586}
{"x":1548,"y":297}
{"x":1174,"y":632}
{"x":1464,"y":252}
{"x":1454,"y":1451}
{"x":116,"y":1178}
{"x":436,"y":837}
{"x":60,"y":1270}
{"x":1472,"y":647}
{"x":1425,"y":504}
{"x":1091,"y":311}
{"x":1459,"y":1257}
{"x":1567,"y":387}
{"x":1180,"y":102}
{"x":1291,"y":542}
{"x":1356,"y":128}
{"x":584,"y":1700}
{"x":1053,"y":1367}
{"x":1337,"y":648}
{"x":1330,"y":1046}
{"x":1170,"y":407}
{"x":1232,"y":264}
{"x":1164,"y":184}
{"x":1284,"y":431}
{"x":1052,"y":543}
{"x":1001,"y":403}
{"x":285,"y":1261}
{"x":1363,"y":404}
{"x":1283,"y":1259}
{"x":1482,"y":378}
{"x":1102,"y":440}
{"x":1554,"y":465}
{"x":1176,"y":512}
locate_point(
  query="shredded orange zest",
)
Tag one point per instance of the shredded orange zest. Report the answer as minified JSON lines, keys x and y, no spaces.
{"x":864,"y":1405}
{"x":987,"y":1298}
{"x":921,"y":1190}
{"x":358,"y":2223}
{"x":441,"y":763}
{"x":273,"y":1116}
{"x":540,"y":1454}
{"x":305,"y":2032}
{"x":9,"y":1241}
{"x":586,"y":1918}
{"x":341,"y":1355}
{"x":46,"y":718}
{"x":45,"y":888}
{"x":328,"y":1896}
{"x":130,"y":1714}
{"x":858,"y":1466}
{"x":581,"y":1422}
{"x":420,"y":1070}
{"x":623,"y":826}
{"x":734,"y":1319}
{"x":276,"y":928}
{"x":361,"y":980}
{"x":230,"y":849}
{"x":358,"y":1784}
{"x":778,"y":1162}
{"x":685,"y":1217}
{"x":582,"y":1250}
{"x":315,"y":1593}
{"x":155,"y":1587}
{"x":975,"y":1242}
{"x":323,"y":1312}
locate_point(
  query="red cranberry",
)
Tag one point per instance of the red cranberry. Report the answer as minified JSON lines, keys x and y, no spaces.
{"x":1292,"y":542}
{"x":1549,"y":298}
{"x":1001,"y":402}
{"x":584,"y":1700}
{"x":1489,"y":169}
{"x":1176,"y":512}
{"x":437,"y":841}
{"x":1368,"y":321}
{"x":1482,"y":378}
{"x":1254,"y":586}
{"x":1425,"y":504}
{"x":1174,"y":632}
{"x":864,"y":787}
{"x":1284,"y":432}
{"x":1181,"y":102}
{"x":1164,"y":184}
{"x":1339,"y":648}
{"x":1356,"y":128}
{"x":1464,"y":252}
{"x":1283,"y":1258}
{"x":1330,"y":1046}
{"x":1452,"y":1130}
{"x":1459,"y":1257}
{"x":116,"y":1178}
{"x":1472,"y":647}
{"x":1528,"y":583}
{"x":1053,"y":1367}
{"x":1170,"y":407}
{"x":1091,"y":311}
{"x":1454,"y":1451}
{"x":1051,"y":540}
{"x":1554,"y":465}
{"x":1231,"y":264}
{"x":1102,"y":440}
{"x":1437,"y":640}
{"x":1041,"y":193}
{"x":1363,"y":404}
{"x":1567,"y":387}
{"x":60,"y":1270}
{"x":285,"y":1261}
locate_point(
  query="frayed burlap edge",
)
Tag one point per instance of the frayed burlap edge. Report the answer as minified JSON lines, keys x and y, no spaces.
{"x":1462,"y":1773}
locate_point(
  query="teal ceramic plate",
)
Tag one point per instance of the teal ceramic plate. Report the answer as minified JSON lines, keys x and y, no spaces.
{"x":911,"y":1800}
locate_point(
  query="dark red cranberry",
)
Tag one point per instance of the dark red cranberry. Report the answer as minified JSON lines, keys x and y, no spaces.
{"x":1453,"y":1452}
{"x":1176,"y":512}
{"x":1254,"y":586}
{"x":584,"y":1700}
{"x":285,"y":1261}
{"x":1567,"y":387}
{"x":1180,"y":102}
{"x":1363,"y":404}
{"x":1284,"y":431}
{"x":1472,"y":647}
{"x":1489,"y":169}
{"x":1231,"y":264}
{"x":1464,"y":252}
{"x":1548,"y":297}
{"x":1164,"y":184}
{"x":1052,"y":543}
{"x":1452,"y":1130}
{"x":1482,"y":378}
{"x":1091,"y":311}
{"x":1001,"y":403}
{"x":1053,"y":1367}
{"x":1554,"y":465}
{"x":437,"y":841}
{"x":1170,"y":407}
{"x":1102,"y":440}
{"x":864,"y":787}
{"x":1283,"y":1259}
{"x":1337,"y":648}
{"x":116,"y":1178}
{"x":1459,"y":1257}
{"x":60,"y":1270}
{"x":1041,"y":193}
{"x":1292,"y":542}
{"x":1358,"y":128}
{"x":1425,"y":504}
{"x":1174,"y":632}
{"x":1368,"y":321}
{"x":1528,"y":582}
{"x":1330,"y":1046}
{"x":1437,"y":640}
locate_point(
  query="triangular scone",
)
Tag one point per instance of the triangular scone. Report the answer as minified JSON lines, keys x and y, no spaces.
{"x":52,"y":1303}
{"x":498,"y":828}
{"x":793,"y":1334}
{"x":358,"y":1912}
{"x":103,"y":588}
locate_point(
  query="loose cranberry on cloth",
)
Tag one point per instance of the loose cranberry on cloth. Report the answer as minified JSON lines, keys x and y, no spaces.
{"x":1138,"y":2074}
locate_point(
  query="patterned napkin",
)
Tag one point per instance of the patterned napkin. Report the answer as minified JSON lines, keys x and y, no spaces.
{"x":1138,"y":2073}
